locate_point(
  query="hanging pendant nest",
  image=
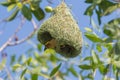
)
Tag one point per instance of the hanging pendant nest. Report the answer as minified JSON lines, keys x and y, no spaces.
{"x":62,"y":27}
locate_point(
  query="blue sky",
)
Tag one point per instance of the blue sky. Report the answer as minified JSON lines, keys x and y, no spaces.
{"x":78,"y":8}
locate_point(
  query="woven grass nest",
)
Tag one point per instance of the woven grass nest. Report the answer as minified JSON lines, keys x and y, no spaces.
{"x":62,"y":27}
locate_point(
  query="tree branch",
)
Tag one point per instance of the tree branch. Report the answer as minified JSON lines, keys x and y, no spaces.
{"x":10,"y":39}
{"x":28,"y":37}
{"x":10,"y":43}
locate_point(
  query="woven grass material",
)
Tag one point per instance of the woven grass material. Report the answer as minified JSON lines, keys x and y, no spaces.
{"x":64,"y":29}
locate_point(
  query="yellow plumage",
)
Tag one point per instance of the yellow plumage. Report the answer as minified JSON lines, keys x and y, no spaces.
{"x":50,"y":44}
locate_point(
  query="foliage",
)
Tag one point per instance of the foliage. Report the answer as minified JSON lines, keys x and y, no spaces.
{"x":103,"y":56}
{"x":25,"y":7}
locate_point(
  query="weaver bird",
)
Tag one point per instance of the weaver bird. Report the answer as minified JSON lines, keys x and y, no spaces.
{"x":50,"y":44}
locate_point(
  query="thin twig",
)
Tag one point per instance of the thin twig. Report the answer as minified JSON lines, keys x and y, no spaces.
{"x":10,"y":39}
{"x":28,"y":37}
{"x":9,"y":43}
{"x":5,"y":45}
{"x":22,"y":40}
{"x":34,"y":25}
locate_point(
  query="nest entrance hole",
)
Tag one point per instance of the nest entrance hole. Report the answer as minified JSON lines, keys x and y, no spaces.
{"x":67,"y":49}
{"x":46,"y":36}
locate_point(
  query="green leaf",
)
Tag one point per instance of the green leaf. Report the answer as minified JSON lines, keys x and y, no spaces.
{"x":49,"y":51}
{"x":108,"y":46}
{"x":108,"y":78}
{"x":34,"y":5}
{"x":20,"y":58}
{"x":108,"y":40}
{"x":34,"y":76}
{"x":38,"y":13}
{"x":53,"y":58}
{"x":110,"y":10}
{"x":99,"y":48}
{"x":14,"y":14}
{"x":19,"y":5}
{"x":114,"y":68}
{"x":109,"y":31}
{"x":55,"y":70}
{"x":2,"y":64}
{"x":98,"y":15}
{"x":26,"y":12}
{"x":117,"y":74}
{"x":94,"y":25}
{"x":90,"y":76}
{"x":35,"y":70}
{"x":86,"y":67}
{"x":13,"y":0}
{"x":36,"y":55}
{"x":89,"y":10}
{"x":12,"y":6}
{"x":114,"y":21}
{"x":112,"y":29}
{"x":88,"y":29}
{"x":117,"y":48}
{"x":39,"y":47}
{"x":117,"y":64}
{"x":28,"y":61}
{"x":93,"y":37}
{"x":87,"y":58}
{"x":16,"y":66}
{"x":6,"y":4}
{"x":12,"y":59}
{"x":106,"y":4}
{"x":103,"y":70}
{"x":23,"y":72}
{"x":97,"y":1}
{"x":89,"y":1}
{"x":72,"y":70}
{"x":95,"y":57}
{"x":81,"y":77}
